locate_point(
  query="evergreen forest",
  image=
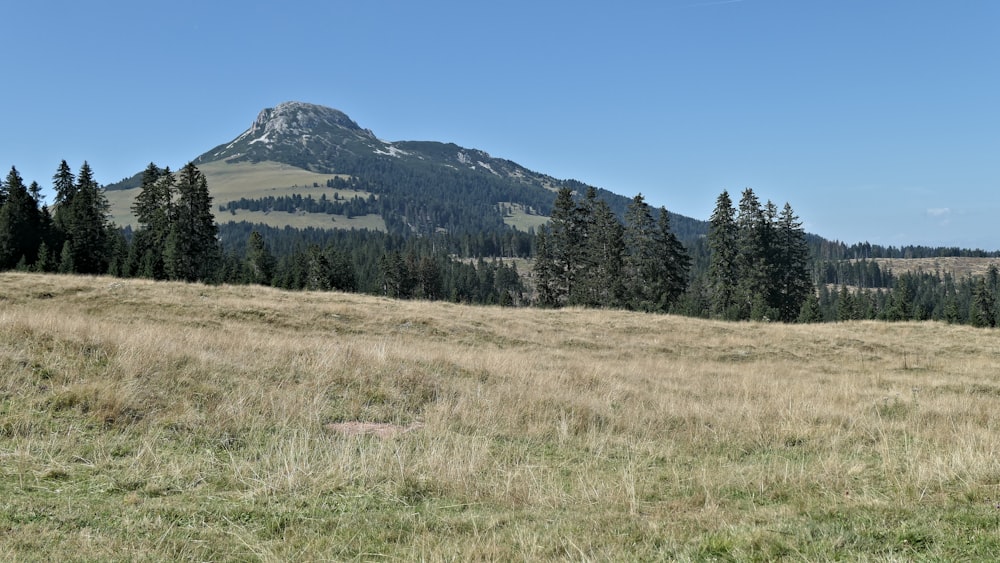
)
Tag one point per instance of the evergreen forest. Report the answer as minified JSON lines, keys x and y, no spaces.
{"x":755,"y":262}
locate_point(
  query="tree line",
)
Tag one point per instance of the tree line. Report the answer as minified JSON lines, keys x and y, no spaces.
{"x":587,"y":257}
{"x":754,"y":263}
{"x":759,"y":261}
{"x":176,"y":238}
{"x":76,"y":238}
{"x":915,"y":296}
{"x":354,"y":207}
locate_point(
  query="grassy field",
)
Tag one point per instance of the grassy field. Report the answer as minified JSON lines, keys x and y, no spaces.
{"x":156,"y":421}
{"x":959,"y":267}
{"x":520,"y":219}
{"x":279,"y":219}
{"x":228,"y":182}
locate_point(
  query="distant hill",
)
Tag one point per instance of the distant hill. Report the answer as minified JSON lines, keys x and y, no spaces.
{"x":304,"y":165}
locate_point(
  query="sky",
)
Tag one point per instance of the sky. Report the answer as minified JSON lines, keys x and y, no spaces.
{"x":877,"y":120}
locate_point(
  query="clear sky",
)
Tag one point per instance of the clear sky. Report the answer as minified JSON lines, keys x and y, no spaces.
{"x":877,"y":120}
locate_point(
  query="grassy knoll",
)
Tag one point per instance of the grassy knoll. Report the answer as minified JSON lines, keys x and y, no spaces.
{"x":143,"y":420}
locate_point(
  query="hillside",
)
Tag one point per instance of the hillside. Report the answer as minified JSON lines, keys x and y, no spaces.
{"x":162,"y":421}
{"x":232,"y":181}
{"x":957,"y":266}
{"x":418,"y":186}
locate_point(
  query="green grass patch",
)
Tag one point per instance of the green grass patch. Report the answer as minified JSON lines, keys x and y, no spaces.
{"x":520,"y":218}
{"x":228,"y":182}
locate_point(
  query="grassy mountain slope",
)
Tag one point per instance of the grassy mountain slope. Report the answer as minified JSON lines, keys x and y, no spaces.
{"x":231,"y":181}
{"x":143,"y":420}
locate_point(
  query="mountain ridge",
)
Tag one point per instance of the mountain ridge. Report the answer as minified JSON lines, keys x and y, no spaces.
{"x":418,"y":186}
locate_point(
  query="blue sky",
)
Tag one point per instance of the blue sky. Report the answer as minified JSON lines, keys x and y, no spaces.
{"x":877,"y":120}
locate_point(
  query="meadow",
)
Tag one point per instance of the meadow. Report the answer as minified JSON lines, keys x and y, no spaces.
{"x":229,"y":182}
{"x":144,"y":420}
{"x":958,"y":266}
{"x":519,"y":218}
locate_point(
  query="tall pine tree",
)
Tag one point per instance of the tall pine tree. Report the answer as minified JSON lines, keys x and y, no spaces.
{"x":755,"y":233}
{"x":641,"y":270}
{"x":192,"y":250}
{"x":154,"y":212}
{"x":84,"y":219}
{"x":599,"y":260}
{"x":606,"y":249}
{"x":564,"y":246}
{"x":544,"y":270}
{"x":20,"y":228}
{"x":792,"y":280}
{"x":64,"y":186}
{"x":675,"y":263}
{"x":723,"y":267}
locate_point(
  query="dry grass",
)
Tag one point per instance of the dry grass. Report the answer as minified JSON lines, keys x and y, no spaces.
{"x":959,"y":267}
{"x":143,"y":420}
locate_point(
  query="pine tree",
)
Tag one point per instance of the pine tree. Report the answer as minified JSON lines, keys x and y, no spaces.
{"x":427,"y":279}
{"x":36,"y":194}
{"x":66,"y":265}
{"x":810,"y":311}
{"x":901,"y":300}
{"x":343,"y":276}
{"x":723,"y":268}
{"x":154,"y":210}
{"x":192,"y":250}
{"x":606,"y":248}
{"x":993,"y":294}
{"x":64,"y":184}
{"x":395,"y":275}
{"x":260,"y":262}
{"x":755,"y":236}
{"x":20,"y":232}
{"x":564,"y":246}
{"x":846,"y":308}
{"x":46,"y":228}
{"x":586,"y":255}
{"x":675,"y":263}
{"x":83,"y":217}
{"x":546,"y":291}
{"x":984,"y":305}
{"x":118,"y":260}
{"x":45,"y":262}
{"x":318,"y":276}
{"x":508,"y":285}
{"x":791,"y":281}
{"x":641,"y":265}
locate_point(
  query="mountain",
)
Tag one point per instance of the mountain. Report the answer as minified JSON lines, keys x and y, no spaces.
{"x":302,"y":164}
{"x":306,"y":136}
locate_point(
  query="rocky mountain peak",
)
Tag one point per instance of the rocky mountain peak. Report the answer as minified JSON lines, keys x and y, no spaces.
{"x":298,"y":118}
{"x":305,"y":135}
